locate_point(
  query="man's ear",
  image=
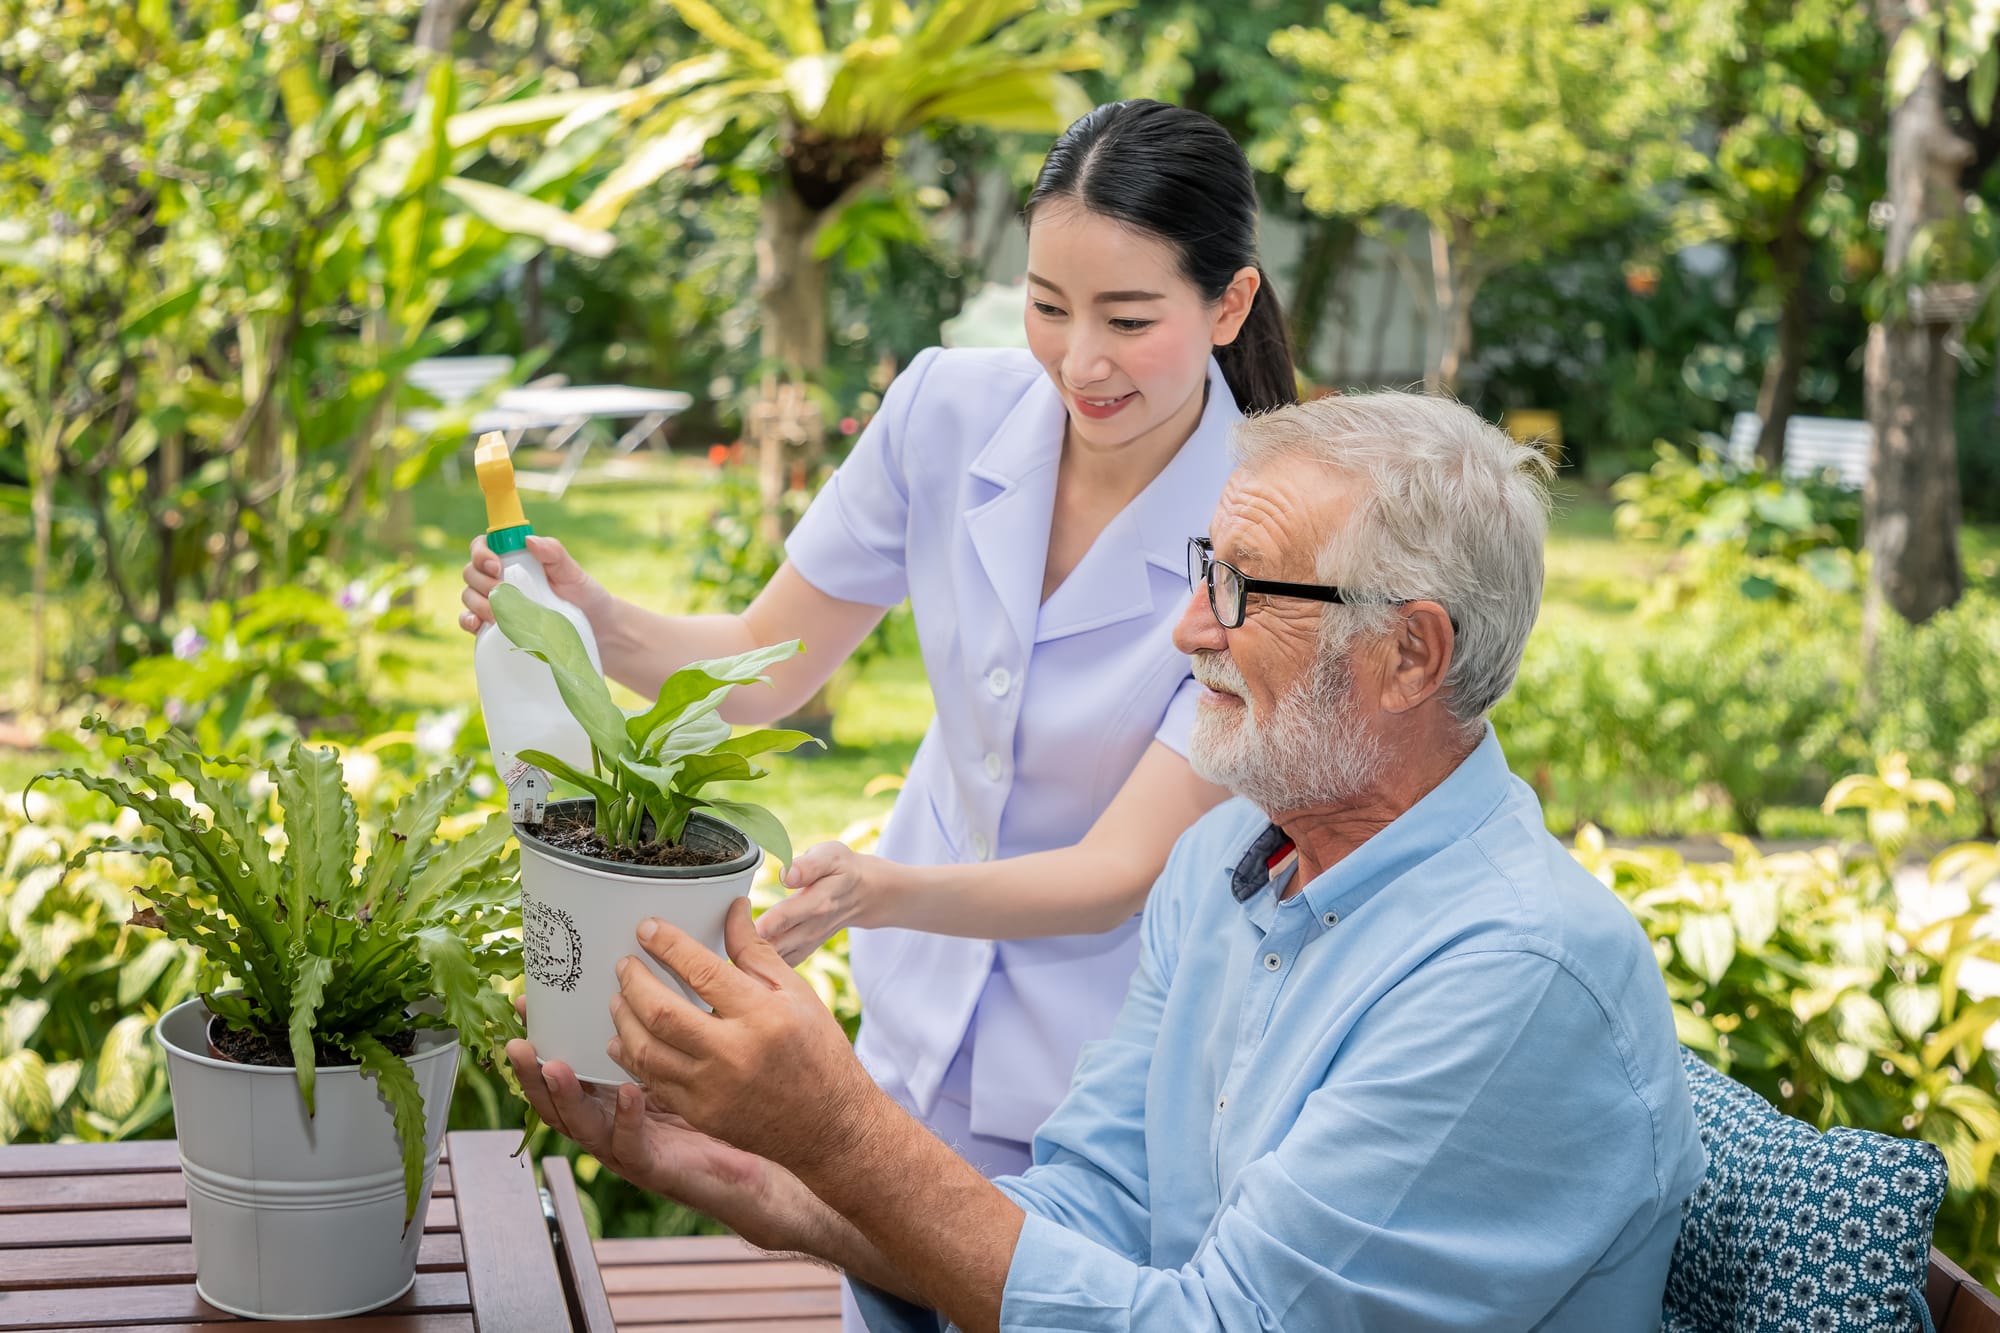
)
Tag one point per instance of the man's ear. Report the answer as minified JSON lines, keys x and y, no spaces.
{"x":1234,"y":307}
{"x":1422,"y":644}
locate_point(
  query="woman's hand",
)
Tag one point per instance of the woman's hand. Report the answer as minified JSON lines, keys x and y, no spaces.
{"x":836,"y":887}
{"x":567,"y":580}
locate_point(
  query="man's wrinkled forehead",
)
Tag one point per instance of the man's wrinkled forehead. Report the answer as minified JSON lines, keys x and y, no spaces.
{"x":1279,"y":512}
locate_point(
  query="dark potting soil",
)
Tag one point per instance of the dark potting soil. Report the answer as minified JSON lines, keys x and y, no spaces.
{"x":576,"y":831}
{"x":274,"y":1050}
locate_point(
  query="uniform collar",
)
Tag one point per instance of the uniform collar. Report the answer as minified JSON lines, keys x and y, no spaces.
{"x":1009,"y":526}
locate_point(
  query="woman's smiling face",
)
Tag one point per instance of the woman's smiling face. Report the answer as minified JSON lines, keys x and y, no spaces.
{"x":1123,"y":334}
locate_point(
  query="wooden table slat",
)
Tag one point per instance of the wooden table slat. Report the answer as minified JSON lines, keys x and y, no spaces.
{"x":509,"y":1258}
{"x":590,"y":1307}
{"x":177,"y":1302}
{"x":716,"y":1305}
{"x":172,"y":1261}
{"x":118,"y":1226}
{"x":631,"y":1280}
{"x":677,"y":1250}
{"x":804,"y":1324}
{"x":357,"y":1323}
{"x":63,"y":1159}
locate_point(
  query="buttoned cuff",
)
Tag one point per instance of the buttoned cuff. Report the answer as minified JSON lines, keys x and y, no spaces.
{"x":1060,"y":1280}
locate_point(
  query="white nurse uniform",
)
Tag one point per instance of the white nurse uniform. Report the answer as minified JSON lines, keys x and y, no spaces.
{"x":1043,"y":708}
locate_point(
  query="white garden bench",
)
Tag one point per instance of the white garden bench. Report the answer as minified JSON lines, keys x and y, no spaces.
{"x":1813,"y":445}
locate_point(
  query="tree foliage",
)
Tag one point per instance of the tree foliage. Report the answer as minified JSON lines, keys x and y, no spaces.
{"x":1511,"y":127}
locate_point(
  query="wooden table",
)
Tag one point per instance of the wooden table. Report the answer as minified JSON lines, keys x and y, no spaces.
{"x":95,"y":1236}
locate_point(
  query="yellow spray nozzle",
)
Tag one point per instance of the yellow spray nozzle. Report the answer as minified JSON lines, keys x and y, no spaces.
{"x":495,"y":470}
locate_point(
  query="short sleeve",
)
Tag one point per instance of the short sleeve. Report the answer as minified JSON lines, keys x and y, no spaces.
{"x":853,"y":541}
{"x":1179,"y":719}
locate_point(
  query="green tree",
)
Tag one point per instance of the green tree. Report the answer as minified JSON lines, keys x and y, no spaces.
{"x":1928,"y":293}
{"x":817,"y":100}
{"x":1797,"y":157}
{"x":1511,"y":127}
{"x":229,"y":239}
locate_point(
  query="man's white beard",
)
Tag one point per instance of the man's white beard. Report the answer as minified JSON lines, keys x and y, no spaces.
{"x":1313,"y":751}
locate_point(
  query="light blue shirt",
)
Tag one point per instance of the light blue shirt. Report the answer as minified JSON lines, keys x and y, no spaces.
{"x":1438,"y":1088}
{"x":1043,"y":706}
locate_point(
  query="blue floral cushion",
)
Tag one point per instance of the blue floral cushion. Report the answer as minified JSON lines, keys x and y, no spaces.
{"x":1794,"y":1231}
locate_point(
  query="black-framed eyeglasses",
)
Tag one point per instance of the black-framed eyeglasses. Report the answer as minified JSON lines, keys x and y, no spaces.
{"x":1229,"y":588}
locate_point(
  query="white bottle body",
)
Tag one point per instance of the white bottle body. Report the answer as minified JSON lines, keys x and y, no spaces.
{"x":517,"y":690}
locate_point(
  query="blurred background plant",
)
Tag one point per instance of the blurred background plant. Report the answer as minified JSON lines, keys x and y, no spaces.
{"x":1840,"y":987}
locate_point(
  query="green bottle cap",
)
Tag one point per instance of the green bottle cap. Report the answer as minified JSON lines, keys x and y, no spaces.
{"x":502,"y":540}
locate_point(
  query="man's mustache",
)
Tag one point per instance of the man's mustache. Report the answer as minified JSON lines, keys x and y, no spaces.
{"x":1216,"y":671}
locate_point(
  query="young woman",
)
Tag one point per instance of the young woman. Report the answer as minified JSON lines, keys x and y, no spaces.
{"x":1035,"y":509}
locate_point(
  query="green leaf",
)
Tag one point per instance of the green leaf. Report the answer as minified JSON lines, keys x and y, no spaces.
{"x":119,"y":1075}
{"x":551,"y":637}
{"x":1707,"y":942}
{"x":321,"y":831}
{"x":605,"y":792}
{"x":407,"y":838}
{"x":698,"y":770}
{"x":24,"y":1091}
{"x":1913,"y":1009}
{"x":767,"y":741}
{"x":149,"y":320}
{"x":524,"y":215}
{"x":757,"y":824}
{"x":469,"y":129}
{"x":681,"y":144}
{"x":447,"y":869}
{"x":705,"y":683}
{"x":308,"y":988}
{"x":397,"y":1087}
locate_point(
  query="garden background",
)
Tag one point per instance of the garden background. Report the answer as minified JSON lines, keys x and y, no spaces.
{"x":228,"y":233}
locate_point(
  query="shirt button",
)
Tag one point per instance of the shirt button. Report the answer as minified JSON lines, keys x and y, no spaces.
{"x":980,"y":847}
{"x":994,"y":768}
{"x":997,"y":681}
{"x":1331,"y":918}
{"x":1272,"y":962}
{"x":1221,"y":1104}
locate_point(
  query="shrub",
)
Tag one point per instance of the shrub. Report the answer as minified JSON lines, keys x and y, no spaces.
{"x":1769,"y":537}
{"x":1799,"y":974}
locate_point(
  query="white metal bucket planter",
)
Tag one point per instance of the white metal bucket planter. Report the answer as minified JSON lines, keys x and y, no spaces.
{"x":298,"y":1217}
{"x":579,"y":916}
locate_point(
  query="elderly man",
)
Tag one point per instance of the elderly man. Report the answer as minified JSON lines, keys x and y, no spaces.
{"x":1391,"y":1059}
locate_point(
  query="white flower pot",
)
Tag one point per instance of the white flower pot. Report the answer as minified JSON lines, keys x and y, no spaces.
{"x":298,"y":1217}
{"x":579,"y":916}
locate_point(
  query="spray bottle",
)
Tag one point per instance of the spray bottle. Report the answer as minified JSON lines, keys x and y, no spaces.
{"x":517,"y":691}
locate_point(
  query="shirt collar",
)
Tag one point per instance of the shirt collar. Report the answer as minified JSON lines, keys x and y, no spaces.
{"x":1448,"y":813}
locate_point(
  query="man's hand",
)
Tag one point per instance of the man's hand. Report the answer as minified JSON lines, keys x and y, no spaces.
{"x":659,"y":1151}
{"x":770,"y":1070}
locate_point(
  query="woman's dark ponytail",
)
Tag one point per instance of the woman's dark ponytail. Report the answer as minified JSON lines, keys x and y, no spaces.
{"x":1176,"y":174}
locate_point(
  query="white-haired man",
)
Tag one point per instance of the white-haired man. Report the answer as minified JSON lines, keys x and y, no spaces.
{"x":1391,"y":1059}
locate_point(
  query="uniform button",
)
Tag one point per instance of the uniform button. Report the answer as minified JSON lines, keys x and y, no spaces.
{"x":1331,"y":918}
{"x":994,"y":768}
{"x":980,"y":847}
{"x":1272,"y":962}
{"x":997,"y":681}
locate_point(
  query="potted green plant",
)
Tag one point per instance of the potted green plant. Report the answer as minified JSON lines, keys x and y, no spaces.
{"x":651,"y":839}
{"x":311,"y":1080}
